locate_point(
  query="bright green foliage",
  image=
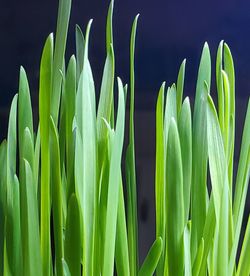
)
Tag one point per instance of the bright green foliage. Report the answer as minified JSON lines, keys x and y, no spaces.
{"x":205,"y":240}
{"x":64,"y":210}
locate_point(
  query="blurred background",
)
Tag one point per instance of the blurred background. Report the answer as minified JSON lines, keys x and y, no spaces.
{"x":168,"y":32}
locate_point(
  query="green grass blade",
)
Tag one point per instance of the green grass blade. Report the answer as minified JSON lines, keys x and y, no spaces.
{"x":25,"y":116}
{"x":72,"y":237}
{"x":242,"y":172}
{"x":150,"y":263}
{"x":56,"y":198}
{"x":244,"y":264}
{"x":130,"y":167}
{"x":121,"y":244}
{"x":44,"y":115}
{"x":58,"y":60}
{"x":198,"y":259}
{"x":86,"y":122}
{"x":219,"y":83}
{"x":180,"y":86}
{"x":113,"y":190}
{"x":219,"y":180}
{"x":185,"y":132}
{"x":229,"y":69}
{"x":70,"y":97}
{"x":33,"y":264}
{"x":241,"y":187}
{"x":199,"y":155}
{"x":106,"y":94}
{"x":80,"y":42}
{"x":174,"y":203}
{"x":160,"y":176}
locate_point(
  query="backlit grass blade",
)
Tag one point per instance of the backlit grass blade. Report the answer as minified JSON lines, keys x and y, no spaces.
{"x":241,"y":187}
{"x":170,"y":110}
{"x":106,"y":94}
{"x":13,"y":231}
{"x":150,"y":263}
{"x":185,"y":132}
{"x":56,"y":198}
{"x":121,"y":244}
{"x":130,"y":168}
{"x":86,"y":115}
{"x":113,"y":190}
{"x":219,"y":83}
{"x":219,"y":180}
{"x":58,"y":59}
{"x":199,"y":152}
{"x":25,"y":116}
{"x":180,"y":85}
{"x":208,"y":234}
{"x":72,"y":237}
{"x":44,"y":115}
{"x":229,"y":69}
{"x":160,"y":176}
{"x":70,"y":98}
{"x":198,"y":259}
{"x":244,"y":264}
{"x":32,"y":265}
{"x":174,"y":203}
{"x":79,"y":51}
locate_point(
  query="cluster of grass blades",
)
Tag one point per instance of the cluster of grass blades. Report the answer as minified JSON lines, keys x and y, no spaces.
{"x":200,"y":225}
{"x":62,"y":204}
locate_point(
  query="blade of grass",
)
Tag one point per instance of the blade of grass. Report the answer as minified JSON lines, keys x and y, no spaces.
{"x":56,"y":198}
{"x":199,"y":152}
{"x":58,"y":60}
{"x":44,"y":115}
{"x":160,"y":176}
{"x":174,"y":203}
{"x":244,"y":265}
{"x":33,"y":266}
{"x":150,"y":263}
{"x":130,"y":167}
{"x":113,"y":190}
{"x":219,"y":180}
{"x":180,"y":85}
{"x":121,"y":244}
{"x":70,"y":97}
{"x":72,"y":237}
{"x":185,"y":132}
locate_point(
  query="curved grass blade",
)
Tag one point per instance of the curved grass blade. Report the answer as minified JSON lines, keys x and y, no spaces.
{"x":79,"y":51}
{"x":180,"y":86}
{"x":150,"y":263}
{"x":244,"y":265}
